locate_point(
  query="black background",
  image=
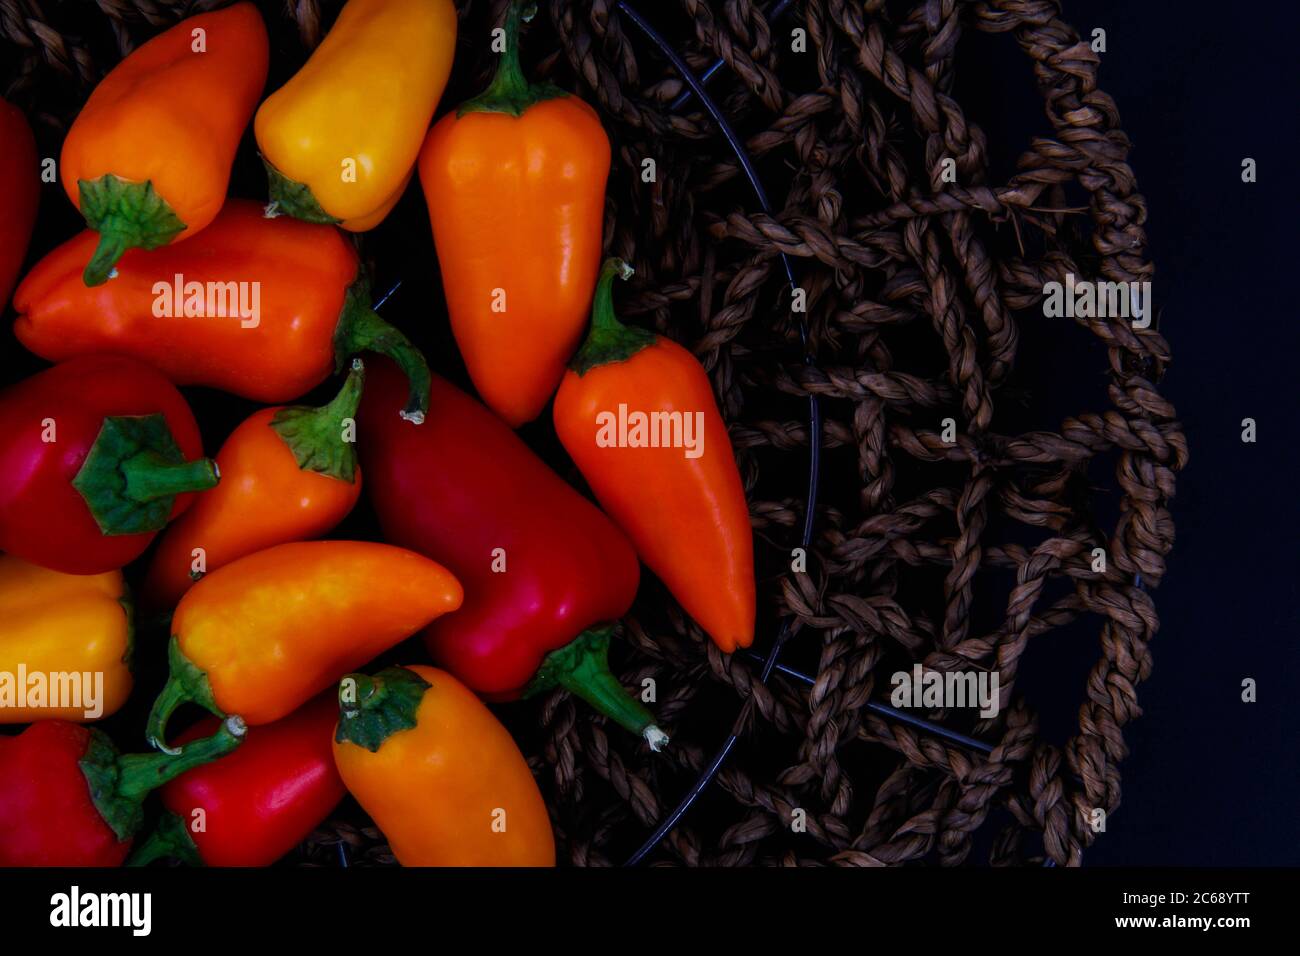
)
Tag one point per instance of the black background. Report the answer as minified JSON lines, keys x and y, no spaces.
{"x":1212,"y":780}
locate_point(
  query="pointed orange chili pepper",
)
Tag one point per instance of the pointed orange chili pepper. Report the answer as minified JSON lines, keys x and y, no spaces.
{"x":536,"y":159}
{"x":637,"y":415}
{"x":441,"y":777}
{"x":288,"y":474}
{"x":262,"y":635}
{"x":148,"y":158}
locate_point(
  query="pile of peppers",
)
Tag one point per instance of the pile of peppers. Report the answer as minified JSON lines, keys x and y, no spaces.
{"x":122,"y":538}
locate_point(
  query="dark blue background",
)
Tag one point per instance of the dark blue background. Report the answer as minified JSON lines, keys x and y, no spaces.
{"x":1213,"y":780}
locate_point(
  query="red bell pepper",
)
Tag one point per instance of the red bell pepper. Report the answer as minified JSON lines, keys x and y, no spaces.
{"x":68,"y":798}
{"x":96,"y":455}
{"x":258,"y":803}
{"x":544,"y":571}
{"x":19,"y":196}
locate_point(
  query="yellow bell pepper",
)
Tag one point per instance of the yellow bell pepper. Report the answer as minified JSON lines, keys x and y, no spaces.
{"x":340,"y":139}
{"x":65,"y":643}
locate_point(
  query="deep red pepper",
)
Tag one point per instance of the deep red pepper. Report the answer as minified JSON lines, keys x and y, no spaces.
{"x":96,"y":455}
{"x":258,"y":803}
{"x":464,"y":490}
{"x":19,"y":195}
{"x":68,"y":798}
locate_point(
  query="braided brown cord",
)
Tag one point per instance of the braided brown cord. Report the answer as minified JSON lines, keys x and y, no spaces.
{"x":917,"y":292}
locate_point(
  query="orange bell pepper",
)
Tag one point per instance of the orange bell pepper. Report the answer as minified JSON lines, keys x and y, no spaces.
{"x":636,"y":413}
{"x":148,"y":158}
{"x":262,"y":635}
{"x":438,"y":773}
{"x":515,"y":183}
{"x":181,"y":309}
{"x":287,"y":474}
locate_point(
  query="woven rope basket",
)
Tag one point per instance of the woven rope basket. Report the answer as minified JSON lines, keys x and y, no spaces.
{"x":923,"y":303}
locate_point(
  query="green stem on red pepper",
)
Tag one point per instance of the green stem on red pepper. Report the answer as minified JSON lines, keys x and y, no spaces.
{"x":119,"y":782}
{"x":133,"y":473}
{"x":582,"y":668}
{"x":170,"y":839}
{"x":361,"y":329}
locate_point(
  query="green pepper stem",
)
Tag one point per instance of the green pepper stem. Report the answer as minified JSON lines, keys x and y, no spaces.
{"x":150,"y":476}
{"x":509,"y":80}
{"x":384,"y":704}
{"x":293,"y":198}
{"x":170,"y":839}
{"x":185,"y":684}
{"x":127,"y":215}
{"x":361,"y":329}
{"x":113,"y":243}
{"x":582,"y":668}
{"x":347,"y":401}
{"x":315,"y":435}
{"x":510,"y":92}
{"x":603,"y":318}
{"x":140,"y":773}
{"x":609,"y":340}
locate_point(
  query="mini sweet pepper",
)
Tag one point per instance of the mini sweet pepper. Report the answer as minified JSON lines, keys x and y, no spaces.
{"x":148,"y":157}
{"x":96,"y":456}
{"x":340,"y":139}
{"x":260,"y":636}
{"x":75,"y":626}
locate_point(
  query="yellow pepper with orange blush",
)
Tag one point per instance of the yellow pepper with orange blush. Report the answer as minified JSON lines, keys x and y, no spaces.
{"x":340,"y":139}
{"x":65,"y":643}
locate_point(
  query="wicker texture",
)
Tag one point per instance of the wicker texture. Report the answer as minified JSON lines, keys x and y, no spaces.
{"x":918,"y":294}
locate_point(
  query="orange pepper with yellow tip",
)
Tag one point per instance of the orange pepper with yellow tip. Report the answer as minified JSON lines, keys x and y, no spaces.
{"x":62,"y":624}
{"x":287,"y":474}
{"x":437,"y":772}
{"x":340,"y":139}
{"x":515,"y":184}
{"x":264,"y":634}
{"x":148,"y":158}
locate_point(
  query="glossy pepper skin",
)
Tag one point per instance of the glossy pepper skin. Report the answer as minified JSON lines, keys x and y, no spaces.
{"x":68,"y":798}
{"x":260,"y":636}
{"x":464,"y":489}
{"x":287,"y":474}
{"x":58,"y":623}
{"x":148,"y":158}
{"x":515,"y":183}
{"x":685,"y":511}
{"x":96,"y":455}
{"x":313,"y":308}
{"x":259,"y":802}
{"x":340,"y":138}
{"x":21,"y":194}
{"x":438,"y":773}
